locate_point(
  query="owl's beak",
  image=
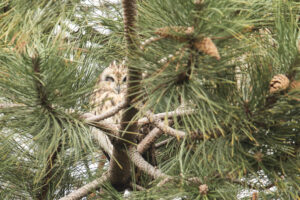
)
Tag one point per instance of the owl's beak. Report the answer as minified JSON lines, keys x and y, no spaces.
{"x":118,"y":89}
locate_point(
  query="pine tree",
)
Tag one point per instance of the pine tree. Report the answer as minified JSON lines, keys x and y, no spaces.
{"x":212,"y":109}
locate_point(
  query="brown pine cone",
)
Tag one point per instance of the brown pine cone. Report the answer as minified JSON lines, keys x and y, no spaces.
{"x":278,"y":83}
{"x":208,"y":47}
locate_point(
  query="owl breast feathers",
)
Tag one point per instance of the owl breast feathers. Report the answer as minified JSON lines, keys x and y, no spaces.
{"x":110,"y":90}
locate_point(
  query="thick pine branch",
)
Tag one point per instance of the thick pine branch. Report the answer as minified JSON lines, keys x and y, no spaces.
{"x":166,"y":129}
{"x":103,"y":141}
{"x":86,"y":189}
{"x":119,"y":176}
{"x":169,"y":115}
{"x":140,"y":162}
{"x":129,"y":7}
{"x":108,"y":113}
{"x":107,"y":127}
{"x":148,"y":140}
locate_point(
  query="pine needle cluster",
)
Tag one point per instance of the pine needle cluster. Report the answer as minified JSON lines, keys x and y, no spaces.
{"x":231,"y":67}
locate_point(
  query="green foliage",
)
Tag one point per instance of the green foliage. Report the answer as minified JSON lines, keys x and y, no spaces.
{"x":52,"y":51}
{"x":256,"y":132}
{"x":45,"y":75}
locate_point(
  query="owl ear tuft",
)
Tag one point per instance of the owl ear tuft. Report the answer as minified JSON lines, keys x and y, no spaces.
{"x":122,"y":65}
{"x":113,"y":64}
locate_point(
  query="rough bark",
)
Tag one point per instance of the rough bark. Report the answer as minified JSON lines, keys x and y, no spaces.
{"x":120,"y":176}
{"x":139,"y":161}
{"x":166,"y":129}
{"x":148,"y":140}
{"x":169,"y":115}
{"x":103,"y":141}
{"x":86,"y":189}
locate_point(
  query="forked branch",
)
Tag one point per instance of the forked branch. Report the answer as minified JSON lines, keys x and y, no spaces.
{"x":169,"y":115}
{"x":140,"y":162}
{"x":148,"y":140}
{"x":166,"y":129}
{"x":86,"y":189}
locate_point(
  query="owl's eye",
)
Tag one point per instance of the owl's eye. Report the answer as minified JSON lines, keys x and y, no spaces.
{"x":124,"y":79}
{"x":109,"y":78}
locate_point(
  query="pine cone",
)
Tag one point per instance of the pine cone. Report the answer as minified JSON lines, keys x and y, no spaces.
{"x":208,"y":47}
{"x":278,"y":83}
{"x":203,"y":189}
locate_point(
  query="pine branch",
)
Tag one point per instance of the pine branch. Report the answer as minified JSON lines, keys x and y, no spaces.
{"x":107,"y":114}
{"x":89,"y":117}
{"x":129,"y":15}
{"x":46,"y":181}
{"x":166,"y":129}
{"x":95,"y":121}
{"x":173,"y":132}
{"x":169,"y":115}
{"x":119,"y":169}
{"x":39,"y":86}
{"x":140,"y":162}
{"x":107,"y":127}
{"x":148,"y":140}
{"x":103,"y":141}
{"x":162,"y":143}
{"x":127,"y":123}
{"x":86,"y":189}
{"x":51,"y":160}
{"x":10,"y":105}
{"x":138,"y":187}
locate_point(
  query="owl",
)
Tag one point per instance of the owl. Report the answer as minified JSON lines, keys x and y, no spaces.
{"x":110,"y":90}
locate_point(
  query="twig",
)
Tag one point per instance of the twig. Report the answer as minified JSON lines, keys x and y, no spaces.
{"x":10,"y":105}
{"x":194,"y":180}
{"x":245,"y":184}
{"x":103,"y":141}
{"x":164,"y":181}
{"x":148,"y":140}
{"x":166,"y":129}
{"x":107,"y":114}
{"x":176,"y":113}
{"x":40,"y":88}
{"x":140,"y":162}
{"x":138,"y":187}
{"x":159,"y":144}
{"x":106,"y":127}
{"x":86,"y":189}
{"x":149,"y":41}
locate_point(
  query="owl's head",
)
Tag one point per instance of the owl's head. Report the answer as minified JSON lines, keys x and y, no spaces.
{"x":115,"y":77}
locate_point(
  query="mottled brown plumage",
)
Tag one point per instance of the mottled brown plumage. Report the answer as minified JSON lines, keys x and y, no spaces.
{"x":110,"y":90}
